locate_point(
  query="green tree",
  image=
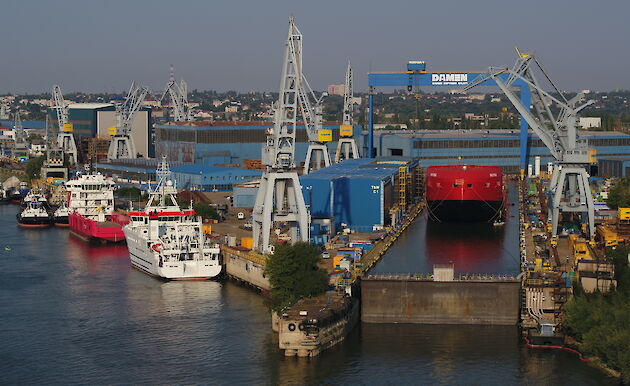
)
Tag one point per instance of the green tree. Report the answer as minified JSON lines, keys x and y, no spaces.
{"x":206,"y":211}
{"x":293,"y":273}
{"x":131,"y":193}
{"x":34,"y":166}
{"x":619,"y":194}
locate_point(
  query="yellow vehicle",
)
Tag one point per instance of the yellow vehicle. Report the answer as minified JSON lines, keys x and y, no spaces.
{"x":579,"y":248}
{"x":624,"y":215}
{"x":607,"y":237}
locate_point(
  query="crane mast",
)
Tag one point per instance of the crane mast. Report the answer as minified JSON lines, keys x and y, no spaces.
{"x":347,"y":146}
{"x":122,"y":145}
{"x":178,"y":96}
{"x":65,"y":139}
{"x":279,"y":198}
{"x":19,"y":136}
{"x":569,"y":185}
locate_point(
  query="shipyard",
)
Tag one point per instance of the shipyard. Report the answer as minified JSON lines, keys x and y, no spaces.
{"x":405,"y":221}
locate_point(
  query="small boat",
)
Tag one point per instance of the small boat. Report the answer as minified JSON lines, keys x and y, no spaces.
{"x":60,"y":216}
{"x":35,"y":215}
{"x":20,"y":193}
{"x":4,"y":197}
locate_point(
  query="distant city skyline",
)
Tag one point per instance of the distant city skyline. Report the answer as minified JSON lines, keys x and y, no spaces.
{"x":104,"y":46}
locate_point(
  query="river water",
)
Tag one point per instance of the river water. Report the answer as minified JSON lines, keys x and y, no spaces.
{"x":74,"y":314}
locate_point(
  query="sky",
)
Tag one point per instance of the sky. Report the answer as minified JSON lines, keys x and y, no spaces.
{"x":102,"y":46}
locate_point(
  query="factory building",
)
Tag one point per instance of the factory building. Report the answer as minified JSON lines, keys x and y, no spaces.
{"x":213,"y":143}
{"x":94,"y":119}
{"x":362,"y":194}
{"x":484,"y":147}
{"x":188,"y":176}
{"x":613,"y":167}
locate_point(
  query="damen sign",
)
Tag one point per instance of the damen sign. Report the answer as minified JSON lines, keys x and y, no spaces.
{"x":449,"y":79}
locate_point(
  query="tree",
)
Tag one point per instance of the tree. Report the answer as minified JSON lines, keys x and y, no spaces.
{"x":34,"y":166}
{"x":206,"y":211}
{"x":619,"y":194}
{"x":293,"y":273}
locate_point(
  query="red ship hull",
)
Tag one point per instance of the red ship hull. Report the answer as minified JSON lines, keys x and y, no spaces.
{"x":109,"y":231}
{"x":465,"y":193}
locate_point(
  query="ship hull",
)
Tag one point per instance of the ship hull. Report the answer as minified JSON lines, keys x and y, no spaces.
{"x":465,"y":210}
{"x":62,"y":221}
{"x":94,"y":231}
{"x":465,"y":193}
{"x":33,"y":222}
{"x":148,"y":261}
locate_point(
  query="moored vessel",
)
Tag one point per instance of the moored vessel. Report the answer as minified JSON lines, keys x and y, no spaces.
{"x":35,"y":214}
{"x":19,"y":193}
{"x":91,"y":209}
{"x":465,"y":193}
{"x":168,"y":242}
{"x":60,"y":215}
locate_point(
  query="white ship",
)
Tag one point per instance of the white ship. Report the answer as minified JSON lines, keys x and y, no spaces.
{"x":167,"y":242}
{"x":60,"y":216}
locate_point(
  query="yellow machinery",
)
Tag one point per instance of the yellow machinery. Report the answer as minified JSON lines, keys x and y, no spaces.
{"x":624,"y":215}
{"x":579,"y":248}
{"x":607,"y":237}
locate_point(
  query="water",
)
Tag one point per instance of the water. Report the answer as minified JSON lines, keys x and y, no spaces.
{"x":73,"y":314}
{"x":471,"y":247}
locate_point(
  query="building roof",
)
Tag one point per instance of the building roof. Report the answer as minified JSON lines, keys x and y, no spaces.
{"x":89,"y":106}
{"x":214,"y":170}
{"x":491,"y":133}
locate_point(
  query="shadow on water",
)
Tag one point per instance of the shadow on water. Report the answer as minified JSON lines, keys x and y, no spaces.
{"x":471,"y":247}
{"x":78,"y":314}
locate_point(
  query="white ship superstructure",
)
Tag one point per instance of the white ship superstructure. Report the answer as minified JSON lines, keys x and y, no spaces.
{"x":91,"y":195}
{"x":35,"y":213}
{"x":168,"y":242}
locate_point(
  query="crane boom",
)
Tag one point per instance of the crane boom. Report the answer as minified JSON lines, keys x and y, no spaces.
{"x":65,"y":139}
{"x":178,"y":95}
{"x":347,"y":146}
{"x":122,"y":145}
{"x":348,"y":95}
{"x":569,"y":184}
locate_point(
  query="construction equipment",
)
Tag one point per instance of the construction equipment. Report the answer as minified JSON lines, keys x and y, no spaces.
{"x":569,"y":184}
{"x":20,"y":147}
{"x":122,"y":145}
{"x":178,"y":95}
{"x":279,"y":197}
{"x":65,"y":139}
{"x":347,"y":146}
{"x":317,"y":155}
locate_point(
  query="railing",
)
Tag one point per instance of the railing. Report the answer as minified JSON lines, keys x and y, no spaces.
{"x":429,"y":277}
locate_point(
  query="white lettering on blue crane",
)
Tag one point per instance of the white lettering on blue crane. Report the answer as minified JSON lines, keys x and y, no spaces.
{"x":449,"y":79}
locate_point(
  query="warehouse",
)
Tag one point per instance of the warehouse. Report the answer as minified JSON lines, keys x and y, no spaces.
{"x":362,"y":194}
{"x":484,"y":147}
{"x":94,"y":119}
{"x":214,"y":143}
{"x":211,"y":178}
{"x":613,"y":167}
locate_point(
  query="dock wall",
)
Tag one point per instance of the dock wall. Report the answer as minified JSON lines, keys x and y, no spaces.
{"x":245,"y":268}
{"x":410,"y":300}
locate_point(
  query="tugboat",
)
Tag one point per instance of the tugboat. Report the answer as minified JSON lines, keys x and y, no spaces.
{"x":35,"y":215}
{"x":4,"y":196}
{"x":60,"y":216}
{"x":20,"y":193}
{"x":167,"y":242}
{"x":91,"y":209}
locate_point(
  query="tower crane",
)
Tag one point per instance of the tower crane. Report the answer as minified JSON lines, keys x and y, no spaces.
{"x":65,"y":139}
{"x":122,"y":145}
{"x":19,"y":136}
{"x":569,"y":184}
{"x":279,"y":197}
{"x":347,"y":146}
{"x":178,"y":95}
{"x":4,"y":110}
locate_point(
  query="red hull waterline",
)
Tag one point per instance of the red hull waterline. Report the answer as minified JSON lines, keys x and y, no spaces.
{"x":89,"y":230}
{"x":465,"y":192}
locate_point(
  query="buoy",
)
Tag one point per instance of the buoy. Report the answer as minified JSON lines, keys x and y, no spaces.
{"x":7,"y":248}
{"x":157,"y":247}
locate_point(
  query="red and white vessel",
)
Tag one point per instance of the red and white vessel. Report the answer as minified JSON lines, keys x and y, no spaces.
{"x":91,"y":209}
{"x":465,"y":193}
{"x":168,"y":242}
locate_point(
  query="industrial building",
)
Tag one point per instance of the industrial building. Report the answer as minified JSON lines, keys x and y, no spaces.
{"x":362,"y":194}
{"x":94,"y":119}
{"x":613,"y":167}
{"x":485,"y":147}
{"x":214,"y":143}
{"x":188,"y":176}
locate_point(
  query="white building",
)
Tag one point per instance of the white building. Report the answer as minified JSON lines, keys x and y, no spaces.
{"x":590,"y":122}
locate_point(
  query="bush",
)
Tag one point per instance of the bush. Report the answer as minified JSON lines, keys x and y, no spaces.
{"x":600,"y":321}
{"x":206,"y":211}
{"x":293,"y":273}
{"x":619,"y":194}
{"x":131,"y":193}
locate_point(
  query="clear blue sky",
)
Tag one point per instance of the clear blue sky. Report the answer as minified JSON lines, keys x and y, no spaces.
{"x":93,"y":46}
